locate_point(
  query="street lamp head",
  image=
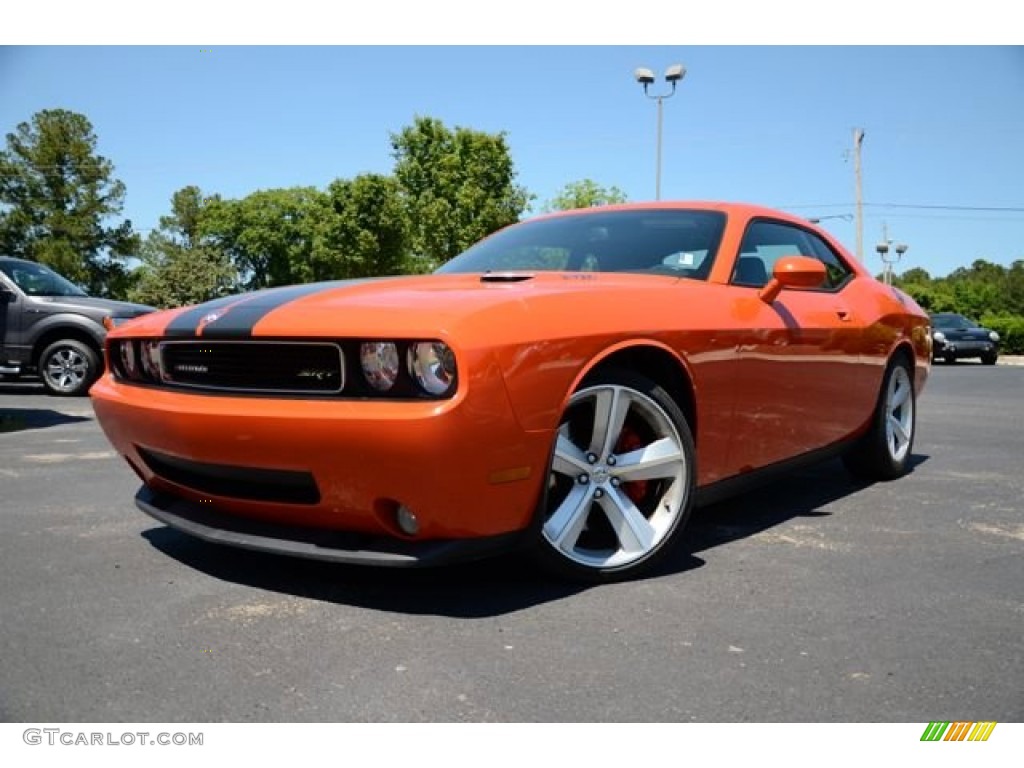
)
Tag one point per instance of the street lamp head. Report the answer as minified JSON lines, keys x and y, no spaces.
{"x":901,"y":249}
{"x":644,"y":76}
{"x":675,"y":73}
{"x":882,"y":248}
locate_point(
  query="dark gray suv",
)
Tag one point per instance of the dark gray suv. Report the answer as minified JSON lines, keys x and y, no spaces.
{"x":50,"y":326}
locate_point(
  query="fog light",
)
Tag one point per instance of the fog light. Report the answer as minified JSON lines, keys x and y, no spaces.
{"x":407,"y":521}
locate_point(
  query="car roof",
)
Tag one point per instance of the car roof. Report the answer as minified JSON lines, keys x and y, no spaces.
{"x":749,"y":210}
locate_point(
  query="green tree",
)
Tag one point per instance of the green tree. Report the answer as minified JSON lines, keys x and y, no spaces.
{"x":983,"y":291}
{"x":360,"y":230}
{"x":268,"y":235}
{"x":584,"y":193}
{"x":979,"y":288}
{"x":56,"y":197}
{"x":459,"y":186}
{"x":1015,"y":288}
{"x":181,"y":264}
{"x":916,"y":275}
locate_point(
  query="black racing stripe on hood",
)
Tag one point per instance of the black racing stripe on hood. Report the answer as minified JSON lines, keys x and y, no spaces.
{"x":235,"y":316}
{"x":238,"y":321}
{"x":185,"y":324}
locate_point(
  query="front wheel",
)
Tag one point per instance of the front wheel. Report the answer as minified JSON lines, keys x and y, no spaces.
{"x":68,"y":368}
{"x":989,"y":358}
{"x":883,"y":453}
{"x":620,"y":482}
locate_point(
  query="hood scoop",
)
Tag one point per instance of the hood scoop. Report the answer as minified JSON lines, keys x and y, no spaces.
{"x":506,"y":277}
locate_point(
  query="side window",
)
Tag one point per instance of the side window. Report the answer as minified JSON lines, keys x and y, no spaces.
{"x":765,"y":242}
{"x":837,"y":271}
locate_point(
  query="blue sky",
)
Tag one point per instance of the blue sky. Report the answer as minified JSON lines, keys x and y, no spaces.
{"x":773,"y":125}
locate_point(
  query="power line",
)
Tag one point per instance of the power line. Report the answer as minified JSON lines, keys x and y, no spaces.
{"x":988,"y":209}
{"x":974,"y":208}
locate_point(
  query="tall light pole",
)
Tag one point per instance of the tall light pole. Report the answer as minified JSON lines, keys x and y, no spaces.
{"x":645,"y":77}
{"x":887,"y":260}
{"x":858,"y":139}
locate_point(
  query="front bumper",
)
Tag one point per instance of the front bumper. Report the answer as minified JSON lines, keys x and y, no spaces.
{"x":333,"y":546}
{"x":964,"y":349}
{"x":464,"y":467}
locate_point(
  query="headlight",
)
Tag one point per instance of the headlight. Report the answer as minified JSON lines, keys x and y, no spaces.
{"x":432,"y":365}
{"x":380,"y":364}
{"x":939,"y":336}
{"x":993,"y":335}
{"x":151,"y":363}
{"x":129,"y":362}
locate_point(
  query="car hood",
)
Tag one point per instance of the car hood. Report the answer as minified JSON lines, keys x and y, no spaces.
{"x":499,"y":305}
{"x":93,"y":305}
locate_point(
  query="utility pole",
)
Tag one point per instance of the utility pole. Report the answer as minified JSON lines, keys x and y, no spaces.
{"x":858,"y":139}
{"x":887,"y":263}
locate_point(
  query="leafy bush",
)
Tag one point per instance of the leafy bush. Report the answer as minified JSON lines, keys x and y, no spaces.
{"x":1010,"y":329}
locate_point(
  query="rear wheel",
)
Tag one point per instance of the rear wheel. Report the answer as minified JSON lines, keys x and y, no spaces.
{"x":68,"y":367}
{"x":620,"y":482}
{"x":884,"y":452}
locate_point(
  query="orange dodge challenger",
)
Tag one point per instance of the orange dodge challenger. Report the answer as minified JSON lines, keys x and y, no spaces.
{"x":571,"y":384}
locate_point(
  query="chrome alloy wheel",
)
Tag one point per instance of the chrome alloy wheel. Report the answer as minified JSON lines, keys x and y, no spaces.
{"x":619,"y":481}
{"x":899,"y":414}
{"x":66,"y":369}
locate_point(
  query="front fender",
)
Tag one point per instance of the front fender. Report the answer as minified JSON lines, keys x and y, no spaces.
{"x":64,"y":321}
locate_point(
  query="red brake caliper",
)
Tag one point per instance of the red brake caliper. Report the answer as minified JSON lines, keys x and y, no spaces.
{"x":629,"y":440}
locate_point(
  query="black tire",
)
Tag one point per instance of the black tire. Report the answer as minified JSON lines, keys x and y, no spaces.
{"x":990,"y":358}
{"x":884,"y":452}
{"x":68,"y":368}
{"x":950,"y":360}
{"x":597,"y":521}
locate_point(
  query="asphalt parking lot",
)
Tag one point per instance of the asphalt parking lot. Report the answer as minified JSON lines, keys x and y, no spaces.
{"x":812,"y":599}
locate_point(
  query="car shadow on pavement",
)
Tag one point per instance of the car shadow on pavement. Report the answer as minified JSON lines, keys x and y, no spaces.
{"x":803,"y":493}
{"x":492,"y":587}
{"x":18,"y":419}
{"x":506,"y":583}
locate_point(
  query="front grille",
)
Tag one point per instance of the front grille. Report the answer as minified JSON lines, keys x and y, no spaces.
{"x":277,"y":485}
{"x":289,"y":367}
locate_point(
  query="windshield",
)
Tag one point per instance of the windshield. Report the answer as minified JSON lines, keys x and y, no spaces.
{"x":953,"y":322}
{"x":680,"y":243}
{"x":37,"y":280}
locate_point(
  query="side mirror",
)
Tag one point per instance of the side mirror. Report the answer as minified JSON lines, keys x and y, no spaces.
{"x":793,"y":272}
